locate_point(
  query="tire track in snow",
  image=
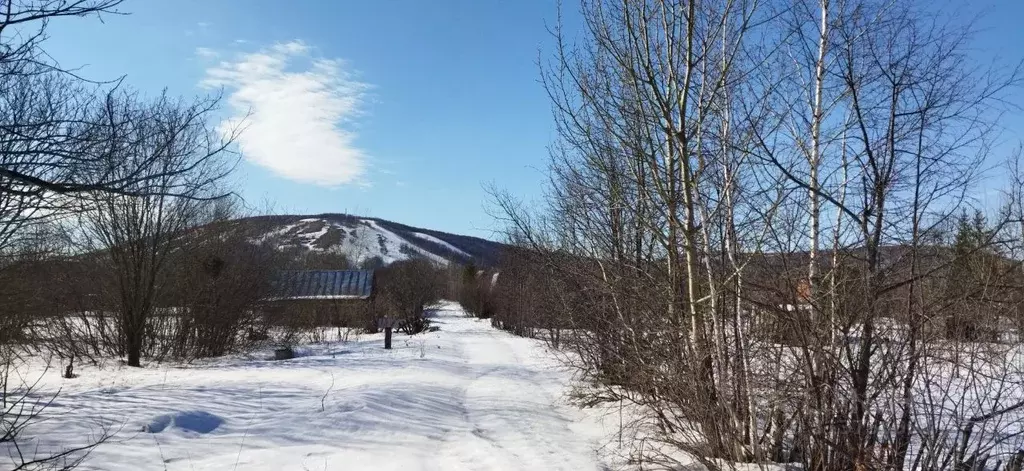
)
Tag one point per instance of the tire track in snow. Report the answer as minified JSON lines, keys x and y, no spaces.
{"x":512,"y":420}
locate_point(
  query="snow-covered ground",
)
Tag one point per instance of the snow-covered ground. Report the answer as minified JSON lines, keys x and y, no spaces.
{"x":465,"y":397}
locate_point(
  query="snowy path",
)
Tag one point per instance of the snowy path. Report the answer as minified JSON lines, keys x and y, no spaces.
{"x":466,"y":397}
{"x":512,"y":423}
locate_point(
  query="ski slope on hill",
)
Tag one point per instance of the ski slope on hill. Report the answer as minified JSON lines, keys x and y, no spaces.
{"x":465,"y":397}
{"x":361,"y":239}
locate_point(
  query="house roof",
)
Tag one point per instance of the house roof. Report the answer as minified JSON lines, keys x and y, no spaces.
{"x":323,"y":284}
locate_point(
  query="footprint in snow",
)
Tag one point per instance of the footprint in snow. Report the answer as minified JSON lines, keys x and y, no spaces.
{"x":190,"y":421}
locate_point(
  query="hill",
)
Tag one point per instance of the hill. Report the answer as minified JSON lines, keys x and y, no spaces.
{"x":363,"y":238}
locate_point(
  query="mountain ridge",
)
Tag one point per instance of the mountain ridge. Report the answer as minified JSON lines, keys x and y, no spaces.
{"x":362,"y":238}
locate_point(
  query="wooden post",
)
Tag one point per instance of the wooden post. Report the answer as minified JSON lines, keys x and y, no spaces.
{"x":386,"y":323}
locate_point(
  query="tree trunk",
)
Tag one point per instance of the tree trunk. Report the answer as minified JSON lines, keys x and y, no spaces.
{"x":134,"y":353}
{"x":387,"y":338}
{"x":133,"y":339}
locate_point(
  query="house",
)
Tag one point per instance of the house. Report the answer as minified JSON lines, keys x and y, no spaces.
{"x":341,"y":298}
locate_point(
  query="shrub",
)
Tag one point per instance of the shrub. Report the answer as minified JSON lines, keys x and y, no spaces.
{"x":404,"y":289}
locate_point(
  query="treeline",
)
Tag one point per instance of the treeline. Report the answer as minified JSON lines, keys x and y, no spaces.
{"x":759,"y":234}
{"x":194,"y":295}
{"x":517,"y":296}
{"x":965,"y":334}
{"x":210,"y":295}
{"x":89,"y":167}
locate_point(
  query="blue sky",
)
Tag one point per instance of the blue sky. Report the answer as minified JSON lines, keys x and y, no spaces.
{"x":447,"y":95}
{"x":400,"y":109}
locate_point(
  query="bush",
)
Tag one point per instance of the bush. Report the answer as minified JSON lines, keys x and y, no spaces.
{"x":403,"y":289}
{"x":413,"y":325}
{"x":218,"y":284}
{"x":476,"y":292}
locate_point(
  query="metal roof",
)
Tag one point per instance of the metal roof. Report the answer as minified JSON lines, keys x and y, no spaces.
{"x":323,"y":284}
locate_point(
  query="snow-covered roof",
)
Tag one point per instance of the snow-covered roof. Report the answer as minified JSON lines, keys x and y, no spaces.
{"x":323,"y":284}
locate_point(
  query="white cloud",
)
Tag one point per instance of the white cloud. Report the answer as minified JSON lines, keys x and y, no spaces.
{"x":206,"y":53}
{"x":293,"y":110}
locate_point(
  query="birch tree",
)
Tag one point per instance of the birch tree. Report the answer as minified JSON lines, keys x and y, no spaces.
{"x":740,"y":195}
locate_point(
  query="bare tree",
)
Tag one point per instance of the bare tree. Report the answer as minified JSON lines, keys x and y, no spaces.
{"x":216,"y":281}
{"x":60,"y":127}
{"x":64,"y":143}
{"x":184,"y":160}
{"x":740,"y":229}
{"x":28,"y":298}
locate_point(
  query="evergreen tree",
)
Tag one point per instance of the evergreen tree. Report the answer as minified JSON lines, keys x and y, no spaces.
{"x":973,"y":265}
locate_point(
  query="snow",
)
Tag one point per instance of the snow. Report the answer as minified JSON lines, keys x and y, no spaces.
{"x":366,"y":239}
{"x":395,"y":243}
{"x":467,"y":396}
{"x":313,"y":237}
{"x":362,"y":239}
{"x":278,"y":232}
{"x":430,"y":238}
